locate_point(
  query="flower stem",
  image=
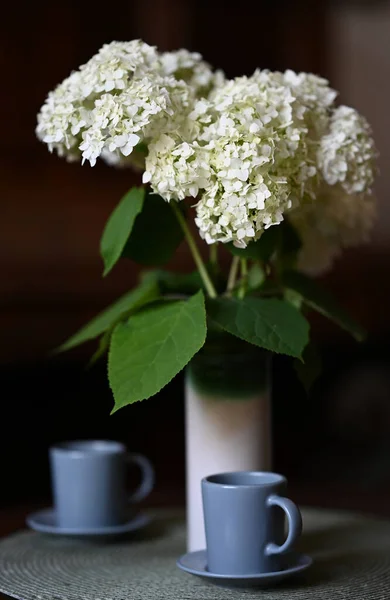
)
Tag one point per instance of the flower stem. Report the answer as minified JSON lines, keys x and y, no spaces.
{"x":244,"y":277}
{"x":214,"y":255}
{"x":194,"y":251}
{"x":233,"y":274}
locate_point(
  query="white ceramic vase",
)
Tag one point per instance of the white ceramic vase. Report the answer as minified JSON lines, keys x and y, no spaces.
{"x":228,"y":424}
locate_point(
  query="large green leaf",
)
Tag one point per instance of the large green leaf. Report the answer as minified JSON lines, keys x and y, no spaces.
{"x":133,"y":300}
{"x":156,"y":233}
{"x":119,"y":226}
{"x":148,"y":350}
{"x":322,"y":301}
{"x":269,"y":323}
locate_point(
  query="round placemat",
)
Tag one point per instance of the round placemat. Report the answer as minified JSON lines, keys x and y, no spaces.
{"x":351,"y":553}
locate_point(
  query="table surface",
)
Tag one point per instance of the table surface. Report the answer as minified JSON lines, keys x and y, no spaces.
{"x":351,"y":554}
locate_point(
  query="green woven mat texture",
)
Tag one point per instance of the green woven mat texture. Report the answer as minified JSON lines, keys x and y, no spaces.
{"x":351,"y":553}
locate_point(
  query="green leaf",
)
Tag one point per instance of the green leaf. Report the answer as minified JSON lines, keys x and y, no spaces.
{"x":269,"y":323}
{"x":169,"y":282}
{"x":119,"y":226}
{"x":102,"y":348}
{"x":156,"y":233}
{"x":185,"y":284}
{"x":310,"y":369}
{"x":149,"y":349}
{"x":322,"y":301}
{"x":134,"y":299}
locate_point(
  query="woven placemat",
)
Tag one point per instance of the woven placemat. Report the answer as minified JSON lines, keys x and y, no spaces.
{"x":352,"y":562}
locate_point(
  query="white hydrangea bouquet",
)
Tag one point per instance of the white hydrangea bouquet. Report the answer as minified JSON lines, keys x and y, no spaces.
{"x":267,"y":166}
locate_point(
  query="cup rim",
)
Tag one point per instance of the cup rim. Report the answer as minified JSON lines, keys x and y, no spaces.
{"x":88,"y":448}
{"x":272,"y":478}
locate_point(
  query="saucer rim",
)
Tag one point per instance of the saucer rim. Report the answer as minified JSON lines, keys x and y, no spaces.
{"x":300,"y":556}
{"x":139,"y":521}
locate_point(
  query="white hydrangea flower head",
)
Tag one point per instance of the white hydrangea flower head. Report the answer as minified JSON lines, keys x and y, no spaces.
{"x":315,"y":99}
{"x":347,"y":154}
{"x":138,"y":114}
{"x":191,"y":68}
{"x":259,"y":157}
{"x":177,"y":169}
{"x":113,"y":102}
{"x":244,"y":152}
{"x":114,"y":64}
{"x":335,"y":220}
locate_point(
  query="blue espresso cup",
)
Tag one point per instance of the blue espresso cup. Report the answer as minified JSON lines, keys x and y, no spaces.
{"x":89,"y":483}
{"x":244,"y":525}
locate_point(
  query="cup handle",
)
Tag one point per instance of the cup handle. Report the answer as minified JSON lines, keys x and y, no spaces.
{"x":147,"y":483}
{"x":294,"y":518}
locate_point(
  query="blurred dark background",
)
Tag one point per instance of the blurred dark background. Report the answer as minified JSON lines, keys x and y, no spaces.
{"x":52,"y":215}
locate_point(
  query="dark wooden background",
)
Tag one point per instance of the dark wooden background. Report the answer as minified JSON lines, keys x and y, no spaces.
{"x":52,"y":215}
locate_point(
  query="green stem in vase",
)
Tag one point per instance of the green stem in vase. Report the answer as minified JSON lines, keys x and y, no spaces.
{"x":214,"y":255}
{"x":194,"y":251}
{"x":244,"y":278}
{"x":233,"y":274}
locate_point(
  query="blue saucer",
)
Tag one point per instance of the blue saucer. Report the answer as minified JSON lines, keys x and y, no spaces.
{"x":44,"y":521}
{"x":195,"y":563}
